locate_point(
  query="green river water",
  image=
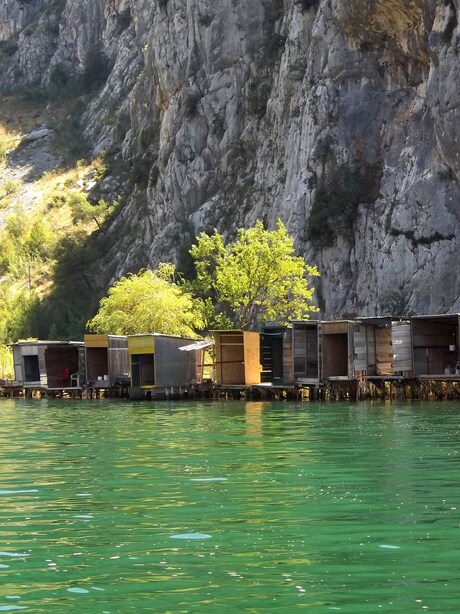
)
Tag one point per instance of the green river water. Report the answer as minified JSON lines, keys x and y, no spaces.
{"x":229,"y":507}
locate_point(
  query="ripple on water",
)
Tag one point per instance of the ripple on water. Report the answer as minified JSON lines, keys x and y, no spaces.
{"x":327,"y":487}
{"x":208,"y":479}
{"x":17,"y":492}
{"x":191,"y":536}
{"x":75,"y":589}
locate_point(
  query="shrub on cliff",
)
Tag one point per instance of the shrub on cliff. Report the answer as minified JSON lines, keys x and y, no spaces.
{"x":337,"y":199}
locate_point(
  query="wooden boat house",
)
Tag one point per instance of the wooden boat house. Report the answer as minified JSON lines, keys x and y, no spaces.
{"x":374,"y":342}
{"x":107,"y":361}
{"x":382,"y":347}
{"x":157,"y":366}
{"x":203,"y":350}
{"x":276,"y":355}
{"x":307,"y":352}
{"x":435,"y":345}
{"x":49,"y":366}
{"x":237,"y":358}
{"x":381,"y":356}
{"x":338,"y":348}
{"x":402,"y":348}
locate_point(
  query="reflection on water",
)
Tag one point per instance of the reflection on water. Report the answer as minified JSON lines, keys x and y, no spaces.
{"x":163,"y":507}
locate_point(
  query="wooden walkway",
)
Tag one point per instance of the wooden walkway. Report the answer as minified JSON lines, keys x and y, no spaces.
{"x":424,"y":388}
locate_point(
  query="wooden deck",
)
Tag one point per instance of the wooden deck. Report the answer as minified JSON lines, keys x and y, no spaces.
{"x":382,"y":387}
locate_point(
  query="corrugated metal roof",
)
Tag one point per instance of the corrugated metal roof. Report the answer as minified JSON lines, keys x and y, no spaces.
{"x":199,"y":345}
{"x":44,"y":342}
{"x":440,"y":316}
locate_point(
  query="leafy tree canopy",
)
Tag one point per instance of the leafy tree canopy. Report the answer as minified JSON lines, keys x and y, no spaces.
{"x":148,"y":302}
{"x":6,"y":363}
{"x":254,"y":279}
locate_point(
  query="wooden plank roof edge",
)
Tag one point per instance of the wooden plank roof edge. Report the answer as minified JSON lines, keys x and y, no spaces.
{"x":164,"y":335}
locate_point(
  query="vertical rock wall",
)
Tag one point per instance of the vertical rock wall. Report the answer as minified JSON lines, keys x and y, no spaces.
{"x":337,"y":116}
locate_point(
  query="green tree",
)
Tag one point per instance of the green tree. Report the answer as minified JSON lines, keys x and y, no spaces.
{"x":13,"y":257}
{"x":254,"y":279}
{"x":84,"y":211}
{"x":19,"y":323}
{"x":39,"y":241}
{"x":148,"y":302}
{"x":6,"y":363}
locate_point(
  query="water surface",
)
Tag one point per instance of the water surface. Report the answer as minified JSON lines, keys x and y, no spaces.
{"x":227,"y":507}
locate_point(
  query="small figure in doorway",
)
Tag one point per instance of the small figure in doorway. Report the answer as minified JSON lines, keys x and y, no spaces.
{"x":457,"y":368}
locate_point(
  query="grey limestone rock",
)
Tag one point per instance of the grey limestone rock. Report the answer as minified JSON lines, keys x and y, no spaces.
{"x":341,"y":117}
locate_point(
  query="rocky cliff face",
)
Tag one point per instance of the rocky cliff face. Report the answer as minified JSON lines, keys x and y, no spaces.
{"x":338,"y":116}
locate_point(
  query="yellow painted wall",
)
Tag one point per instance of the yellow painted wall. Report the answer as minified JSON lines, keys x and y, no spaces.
{"x":141,"y":344}
{"x":252,"y":366}
{"x":96,"y":341}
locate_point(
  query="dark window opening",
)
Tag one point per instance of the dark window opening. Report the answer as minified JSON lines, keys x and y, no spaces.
{"x":142,"y":370}
{"x":31,"y":369}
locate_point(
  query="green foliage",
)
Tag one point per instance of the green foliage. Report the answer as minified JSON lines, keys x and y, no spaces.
{"x":190,"y":104}
{"x":30,"y":96}
{"x":10,"y":186}
{"x":148,"y":136}
{"x":259,"y":94}
{"x":61,"y":83}
{"x":140,"y":171}
{"x":55,"y":317}
{"x":64,"y":290}
{"x":50,"y":273}
{"x":297,"y":69}
{"x":148,"y":302}
{"x":254,"y":279}
{"x":206,"y":20}
{"x":67,"y":137}
{"x":6,"y":363}
{"x":40,"y":241}
{"x":396,"y":304}
{"x":274,"y":10}
{"x":27,"y":247}
{"x":6,"y":144}
{"x":62,"y":314}
{"x":8,"y":47}
{"x":82,"y":210}
{"x":96,"y":70}
{"x":306,"y":5}
{"x":5,"y":301}
{"x":15,"y":305}
{"x":449,"y":28}
{"x":5,"y":202}
{"x":3,"y":151}
{"x":13,"y":255}
{"x":19,"y":323}
{"x":24,"y":242}
{"x":337,"y":199}
{"x":124,"y":19}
